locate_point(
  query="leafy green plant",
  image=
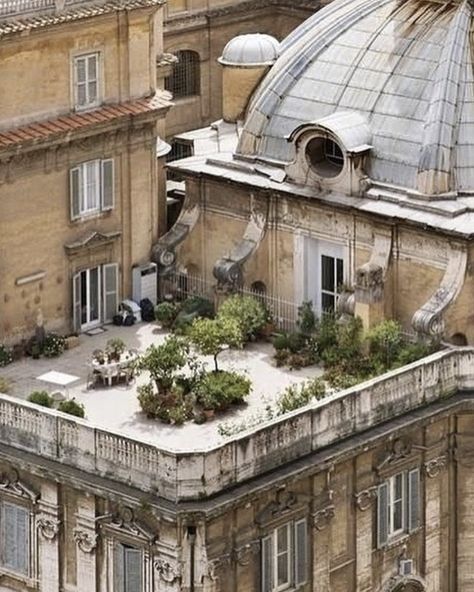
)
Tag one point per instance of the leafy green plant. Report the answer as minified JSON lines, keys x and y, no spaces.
{"x":411,"y":352}
{"x":385,"y":342}
{"x":306,"y":318}
{"x":72,"y":407}
{"x":219,"y":390}
{"x":6,"y":356}
{"x":192,"y":308}
{"x":171,"y":407}
{"x":166,"y":313}
{"x":115,"y":348}
{"x":326,"y":332}
{"x":232,"y":428}
{"x":211,"y":336}
{"x":294,"y":396}
{"x":249,"y":312}
{"x":281,"y":342}
{"x":53,"y":345}
{"x":163,"y":362}
{"x":42,"y":398}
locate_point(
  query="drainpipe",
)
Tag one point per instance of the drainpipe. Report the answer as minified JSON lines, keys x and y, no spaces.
{"x":192,"y":543}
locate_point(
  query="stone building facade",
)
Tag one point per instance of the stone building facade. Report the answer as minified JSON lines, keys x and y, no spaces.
{"x":197,"y":31}
{"x":370,"y":490}
{"x":351,"y":177}
{"x":79,"y":195}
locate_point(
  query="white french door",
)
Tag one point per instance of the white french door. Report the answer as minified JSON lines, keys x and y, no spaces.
{"x":95,"y":296}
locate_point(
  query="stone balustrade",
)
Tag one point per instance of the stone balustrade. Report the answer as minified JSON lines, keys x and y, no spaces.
{"x":23,"y":8}
{"x":198,"y":473}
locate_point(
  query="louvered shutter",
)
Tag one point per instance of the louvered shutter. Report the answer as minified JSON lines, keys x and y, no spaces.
{"x":133,"y":570}
{"x":76,"y":301}
{"x":8,"y":536}
{"x":413,"y":499}
{"x":382,"y":514}
{"x":119,"y":568}
{"x":267,"y":564}
{"x":22,"y":539}
{"x":107,"y":178}
{"x":300,"y":552}
{"x":110,"y":283}
{"x":75,"y":190}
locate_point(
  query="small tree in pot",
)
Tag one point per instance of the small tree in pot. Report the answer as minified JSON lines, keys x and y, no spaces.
{"x":211,"y":337}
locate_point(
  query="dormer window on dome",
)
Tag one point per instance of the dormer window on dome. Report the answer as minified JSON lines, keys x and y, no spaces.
{"x":331,"y":152}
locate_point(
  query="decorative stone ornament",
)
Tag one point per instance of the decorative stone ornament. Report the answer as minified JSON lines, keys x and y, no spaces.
{"x":48,"y":527}
{"x":323,"y":517}
{"x":167,"y":572}
{"x":86,"y":541}
{"x":434,"y":466}
{"x":365,"y":498}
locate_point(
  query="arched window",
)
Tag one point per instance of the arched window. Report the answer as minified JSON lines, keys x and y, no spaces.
{"x":185,"y":79}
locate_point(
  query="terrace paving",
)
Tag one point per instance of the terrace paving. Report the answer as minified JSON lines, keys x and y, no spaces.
{"x":116,"y":408}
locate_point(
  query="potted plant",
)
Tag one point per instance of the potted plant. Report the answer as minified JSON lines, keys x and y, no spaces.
{"x":115,"y":348}
{"x":98,"y":356}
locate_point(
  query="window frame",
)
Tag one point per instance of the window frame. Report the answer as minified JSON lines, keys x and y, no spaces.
{"x":269,"y":544}
{"x":184,"y":83}
{"x":88,"y":204}
{"x":88,"y":104}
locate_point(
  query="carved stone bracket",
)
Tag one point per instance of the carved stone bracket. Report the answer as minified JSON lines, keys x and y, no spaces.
{"x":428,"y":320}
{"x":364,"y":498}
{"x":434,"y":466}
{"x":168,"y":573}
{"x":85,"y":540}
{"x":323,"y":517}
{"x":370,"y":277}
{"x":164,"y":251}
{"x":48,"y":527}
{"x":228,"y":270}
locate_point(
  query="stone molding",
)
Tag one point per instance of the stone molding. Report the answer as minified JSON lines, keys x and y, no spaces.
{"x":86,"y":540}
{"x":428,"y":320}
{"x":370,"y":277}
{"x":167,"y":572}
{"x":228,"y":270}
{"x":284,"y":502}
{"x":124,"y":522}
{"x":10,"y":482}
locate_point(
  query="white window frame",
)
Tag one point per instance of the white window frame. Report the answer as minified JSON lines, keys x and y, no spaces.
{"x":89,"y":101}
{"x":27,"y":574}
{"x":409,"y":510}
{"x":91,"y":202}
{"x":292,"y":556}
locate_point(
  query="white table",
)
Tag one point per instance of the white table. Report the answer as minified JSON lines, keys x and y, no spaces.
{"x":110,"y":370}
{"x":58,"y":378}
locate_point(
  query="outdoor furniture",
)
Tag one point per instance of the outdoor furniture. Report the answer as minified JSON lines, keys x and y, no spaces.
{"x":116,"y":369}
{"x":60,"y":379}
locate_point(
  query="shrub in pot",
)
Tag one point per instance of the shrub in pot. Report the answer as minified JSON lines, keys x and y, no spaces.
{"x":249,"y":312}
{"x":53,"y":345}
{"x":42,"y":398}
{"x":72,"y":407}
{"x":165,"y":314}
{"x":6,"y":356}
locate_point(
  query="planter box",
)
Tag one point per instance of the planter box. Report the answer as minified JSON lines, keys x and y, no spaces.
{"x":72,"y":341}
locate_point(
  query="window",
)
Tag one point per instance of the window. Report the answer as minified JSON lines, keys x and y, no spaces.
{"x":398,"y":504}
{"x":179,"y":150}
{"x":332,"y":277}
{"x":14,"y":538}
{"x":92,"y":187}
{"x":185,"y":79}
{"x":325,"y":156}
{"x":86,"y":81}
{"x":128,"y":566}
{"x":285,"y":557}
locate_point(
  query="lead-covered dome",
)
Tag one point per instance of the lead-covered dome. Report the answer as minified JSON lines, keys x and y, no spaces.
{"x":406,"y":67}
{"x":251,"y":50}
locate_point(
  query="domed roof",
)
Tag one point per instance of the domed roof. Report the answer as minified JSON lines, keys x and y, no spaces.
{"x":254,"y":49}
{"x":405,"y":66}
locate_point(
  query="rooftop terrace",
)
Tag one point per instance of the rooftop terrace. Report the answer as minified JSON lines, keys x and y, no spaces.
{"x":193,"y":461}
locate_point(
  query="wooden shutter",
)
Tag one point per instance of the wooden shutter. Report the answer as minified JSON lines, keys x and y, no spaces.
{"x":76,"y":301}
{"x":119,"y":568}
{"x":267,"y":564}
{"x":300,"y":552}
{"x":382,"y":514}
{"x":413,"y":499}
{"x":75,"y":190}
{"x":133,"y":570}
{"x":22,"y":539}
{"x":107,"y":185}
{"x":110,"y":284}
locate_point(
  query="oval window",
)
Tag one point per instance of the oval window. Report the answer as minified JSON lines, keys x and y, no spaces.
{"x":325,"y":156}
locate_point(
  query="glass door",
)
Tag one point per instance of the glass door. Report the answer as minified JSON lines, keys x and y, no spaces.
{"x":90,"y":297}
{"x":332,"y":277}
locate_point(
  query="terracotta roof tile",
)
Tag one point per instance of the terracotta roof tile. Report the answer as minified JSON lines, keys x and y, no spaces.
{"x":43,"y":130}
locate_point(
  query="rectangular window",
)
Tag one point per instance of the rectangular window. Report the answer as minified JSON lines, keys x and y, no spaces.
{"x":332,"y":277}
{"x":284,"y":557}
{"x":14,"y":537}
{"x":398,"y":506}
{"x":128,"y":566}
{"x":92,"y":187}
{"x":86,"y":81}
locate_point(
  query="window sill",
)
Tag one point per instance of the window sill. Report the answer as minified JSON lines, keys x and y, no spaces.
{"x":27,"y":581}
{"x":85,"y":108}
{"x":91,"y":216}
{"x":399,"y":540}
{"x":178,"y":101}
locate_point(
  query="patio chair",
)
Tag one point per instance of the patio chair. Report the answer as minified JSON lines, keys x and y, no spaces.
{"x":94,"y":378}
